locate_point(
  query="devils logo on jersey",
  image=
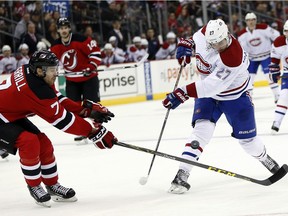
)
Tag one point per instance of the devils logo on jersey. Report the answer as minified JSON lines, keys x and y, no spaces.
{"x":202,"y":66}
{"x":69,"y":59}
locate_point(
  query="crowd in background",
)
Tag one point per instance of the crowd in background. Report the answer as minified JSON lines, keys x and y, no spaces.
{"x":131,"y":27}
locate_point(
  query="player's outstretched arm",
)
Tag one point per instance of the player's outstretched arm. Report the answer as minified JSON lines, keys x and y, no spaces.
{"x":96,"y":111}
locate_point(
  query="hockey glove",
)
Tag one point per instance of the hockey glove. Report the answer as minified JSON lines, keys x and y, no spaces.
{"x":184,"y":51}
{"x":174,"y":99}
{"x":102,"y":138}
{"x":274,"y":72}
{"x":89,"y":70}
{"x":96,"y":111}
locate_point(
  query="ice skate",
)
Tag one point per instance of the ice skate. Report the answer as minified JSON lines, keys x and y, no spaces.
{"x":41,"y":197}
{"x":3,"y":153}
{"x":275,"y":127}
{"x":270,"y":164}
{"x":60,"y":193}
{"x":179,"y":185}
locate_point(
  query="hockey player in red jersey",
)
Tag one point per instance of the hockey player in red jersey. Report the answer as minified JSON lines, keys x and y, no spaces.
{"x":78,"y":53}
{"x":222,"y":64}
{"x":30,"y":91}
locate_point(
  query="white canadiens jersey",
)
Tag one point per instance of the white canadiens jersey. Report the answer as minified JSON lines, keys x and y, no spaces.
{"x":224,"y":76}
{"x":7,"y":64}
{"x":258,"y":42}
{"x":113,"y":59}
{"x":23,"y":60}
{"x":279,"y":52}
{"x":167,"y":51}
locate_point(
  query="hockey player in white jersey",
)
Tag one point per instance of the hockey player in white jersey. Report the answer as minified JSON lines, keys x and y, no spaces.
{"x":168,"y":48}
{"x":8,"y":63}
{"x":279,"y":53}
{"x":223,"y":64}
{"x":256,"y":39}
{"x":24,"y":57}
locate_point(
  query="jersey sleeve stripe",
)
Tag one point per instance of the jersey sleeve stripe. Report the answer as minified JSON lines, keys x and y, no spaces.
{"x":2,"y":118}
{"x":65,"y":121}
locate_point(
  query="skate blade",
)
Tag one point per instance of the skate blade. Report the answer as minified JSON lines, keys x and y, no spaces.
{"x":44,"y":204}
{"x":177,"y":189}
{"x":274,"y":132}
{"x":61,"y":199}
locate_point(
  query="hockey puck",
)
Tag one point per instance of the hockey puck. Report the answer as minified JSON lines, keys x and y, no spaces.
{"x":195,"y":144}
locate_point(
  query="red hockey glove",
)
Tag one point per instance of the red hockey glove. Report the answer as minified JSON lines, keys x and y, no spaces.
{"x":102,"y":138}
{"x":89,"y":69}
{"x":274,"y":72}
{"x":174,"y":99}
{"x":96,"y":111}
{"x":184,"y":51}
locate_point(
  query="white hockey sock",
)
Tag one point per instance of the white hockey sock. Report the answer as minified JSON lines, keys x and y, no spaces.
{"x":254,"y":147}
{"x":274,"y":87}
{"x":202,"y":133}
{"x":281,"y":107}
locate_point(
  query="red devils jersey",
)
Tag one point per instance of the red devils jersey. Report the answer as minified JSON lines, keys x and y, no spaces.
{"x":24,"y":94}
{"x":78,"y":54}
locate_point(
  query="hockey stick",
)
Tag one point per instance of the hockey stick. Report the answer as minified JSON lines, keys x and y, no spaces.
{"x":143,"y":180}
{"x":144,"y":58}
{"x":266,"y":182}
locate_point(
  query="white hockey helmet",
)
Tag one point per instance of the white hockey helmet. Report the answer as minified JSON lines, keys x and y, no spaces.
{"x":108,"y":46}
{"x":6,"y":48}
{"x":23,"y":46}
{"x":285,"y":28}
{"x":112,"y":39}
{"x":250,"y":16}
{"x":216,"y":31}
{"x":144,"y":42}
{"x":41,"y":46}
{"x":136,"y":39}
{"x":170,"y":35}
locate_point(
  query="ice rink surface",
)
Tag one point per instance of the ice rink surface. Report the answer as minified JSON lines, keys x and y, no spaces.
{"x":106,"y":181}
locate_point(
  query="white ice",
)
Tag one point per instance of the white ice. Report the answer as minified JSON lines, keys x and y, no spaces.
{"x":106,"y":181}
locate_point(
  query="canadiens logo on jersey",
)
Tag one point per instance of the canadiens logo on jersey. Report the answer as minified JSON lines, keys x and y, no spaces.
{"x":202,"y":66}
{"x":69,"y":59}
{"x":255,"y":42}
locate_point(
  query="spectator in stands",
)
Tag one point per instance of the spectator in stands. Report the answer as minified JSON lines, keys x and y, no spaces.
{"x":21,"y":27}
{"x":172,"y":22}
{"x":8,"y":63}
{"x":36,"y":19}
{"x":116,"y":31}
{"x":31,"y":38}
{"x":109,"y":57}
{"x":88,"y":32}
{"x":184,"y":20}
{"x":168,"y":49}
{"x":113,"y":41}
{"x":52,"y":33}
{"x":153,"y":43}
{"x":24,"y":57}
{"x":3,"y":26}
{"x":257,"y":39}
